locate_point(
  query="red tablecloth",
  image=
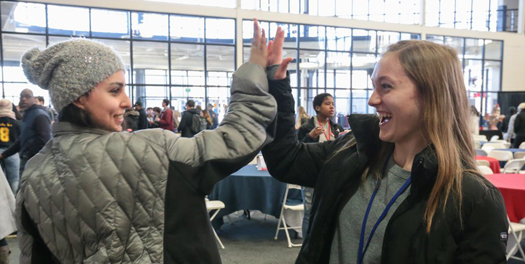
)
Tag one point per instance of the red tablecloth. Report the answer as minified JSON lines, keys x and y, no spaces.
{"x":512,"y":188}
{"x":494,"y":163}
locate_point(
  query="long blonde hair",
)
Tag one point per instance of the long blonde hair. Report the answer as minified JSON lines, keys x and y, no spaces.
{"x":437,"y":73}
{"x":300,"y":116}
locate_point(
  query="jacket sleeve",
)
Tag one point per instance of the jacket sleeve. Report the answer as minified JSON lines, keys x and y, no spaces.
{"x":212,"y":155}
{"x":288,"y":159}
{"x":483,"y":240}
{"x":303,"y":135}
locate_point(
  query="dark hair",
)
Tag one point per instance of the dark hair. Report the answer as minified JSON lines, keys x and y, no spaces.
{"x":40,"y":99}
{"x":156,"y":109}
{"x":190,"y":103}
{"x":318,"y":99}
{"x":166,"y":101}
{"x":76,"y":116}
{"x":149,"y":108}
{"x":18,"y":116}
{"x":512,"y":110}
{"x":474,"y":111}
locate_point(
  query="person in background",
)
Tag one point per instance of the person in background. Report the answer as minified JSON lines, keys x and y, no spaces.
{"x":143,"y":118}
{"x":519,"y":127}
{"x":302,"y":117}
{"x":505,"y":123}
{"x":214,"y":117}
{"x":319,"y":128}
{"x":403,"y":186}
{"x":176,"y":119}
{"x":510,"y":136}
{"x":131,"y":119}
{"x":166,"y":116}
{"x":187,"y":119}
{"x":53,"y":115}
{"x":207,"y":117}
{"x":35,"y":130}
{"x":129,"y":197}
{"x":474,"y":120}
{"x":15,"y":110}
{"x":155,"y":122}
{"x":9,"y":133}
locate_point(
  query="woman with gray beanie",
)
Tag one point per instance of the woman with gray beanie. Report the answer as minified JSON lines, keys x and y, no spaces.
{"x":95,"y":194}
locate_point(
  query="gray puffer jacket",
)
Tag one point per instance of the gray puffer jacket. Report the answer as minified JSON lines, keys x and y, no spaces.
{"x":92,"y":196}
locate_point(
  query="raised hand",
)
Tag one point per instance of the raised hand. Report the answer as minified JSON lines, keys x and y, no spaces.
{"x":259,"y":51}
{"x":275,"y":55}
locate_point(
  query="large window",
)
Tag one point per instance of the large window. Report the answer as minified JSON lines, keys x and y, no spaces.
{"x":166,"y":55}
{"x":482,"y":68}
{"x":183,"y":57}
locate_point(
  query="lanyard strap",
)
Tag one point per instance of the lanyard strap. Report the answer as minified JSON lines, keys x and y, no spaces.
{"x":329,"y":130}
{"x":361,"y":252}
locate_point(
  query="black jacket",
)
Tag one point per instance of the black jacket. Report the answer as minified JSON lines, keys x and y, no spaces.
{"x":186,"y":121}
{"x":35,"y":131}
{"x":304,"y":130}
{"x":336,"y":175}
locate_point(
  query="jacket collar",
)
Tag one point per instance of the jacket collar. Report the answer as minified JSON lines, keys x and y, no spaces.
{"x":366,"y":132}
{"x":64,"y":128}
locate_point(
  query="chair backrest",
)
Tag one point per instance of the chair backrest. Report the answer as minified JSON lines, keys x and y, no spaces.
{"x":494,"y":138}
{"x":514,"y":166}
{"x":289,"y":187}
{"x":501,"y":155}
{"x":480,"y":152}
{"x":487,"y":149}
{"x":479,"y":137}
{"x":483,"y":163}
{"x":485,"y":170}
{"x":519,"y":155}
{"x":522,"y":145}
{"x":496,"y":145}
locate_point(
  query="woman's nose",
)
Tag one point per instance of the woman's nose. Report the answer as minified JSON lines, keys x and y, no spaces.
{"x":374,"y":99}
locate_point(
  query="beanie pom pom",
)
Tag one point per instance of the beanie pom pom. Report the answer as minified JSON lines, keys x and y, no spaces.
{"x":33,"y":67}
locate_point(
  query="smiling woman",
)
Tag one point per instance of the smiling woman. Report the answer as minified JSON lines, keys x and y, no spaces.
{"x":124,"y":197}
{"x":402,"y":187}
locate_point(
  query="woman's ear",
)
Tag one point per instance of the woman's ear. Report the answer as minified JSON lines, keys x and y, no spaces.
{"x":317,"y":108}
{"x":81,"y":102}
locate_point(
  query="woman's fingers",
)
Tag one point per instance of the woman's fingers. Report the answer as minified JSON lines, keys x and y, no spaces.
{"x":259,"y":52}
{"x":283,"y":67}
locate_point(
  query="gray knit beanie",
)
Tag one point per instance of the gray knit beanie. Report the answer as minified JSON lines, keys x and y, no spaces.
{"x":70,"y":69}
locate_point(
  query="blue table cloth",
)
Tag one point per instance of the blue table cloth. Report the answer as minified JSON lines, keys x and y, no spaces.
{"x":250,"y":189}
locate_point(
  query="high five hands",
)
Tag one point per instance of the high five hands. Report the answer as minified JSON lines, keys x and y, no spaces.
{"x":271,"y":54}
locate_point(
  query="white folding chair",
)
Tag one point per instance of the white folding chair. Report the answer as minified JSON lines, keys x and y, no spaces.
{"x":495,"y":145}
{"x":295,"y":207}
{"x":487,"y":149}
{"x":519,"y":154}
{"x":481,"y":152}
{"x":522,"y":145}
{"x":513,"y":166}
{"x":483,"y":163}
{"x":494,"y":138}
{"x":501,"y":155}
{"x":485,"y":170}
{"x":215,"y":205}
{"x":479,"y":137}
{"x":516,"y":230}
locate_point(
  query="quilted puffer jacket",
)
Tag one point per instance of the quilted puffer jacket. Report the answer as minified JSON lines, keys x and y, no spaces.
{"x":93,"y":196}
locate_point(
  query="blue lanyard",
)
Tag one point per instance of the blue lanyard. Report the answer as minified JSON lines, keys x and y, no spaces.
{"x":361,"y":252}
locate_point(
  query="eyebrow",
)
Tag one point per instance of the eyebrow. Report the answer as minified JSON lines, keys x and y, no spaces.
{"x":383,"y":77}
{"x":117,"y":83}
